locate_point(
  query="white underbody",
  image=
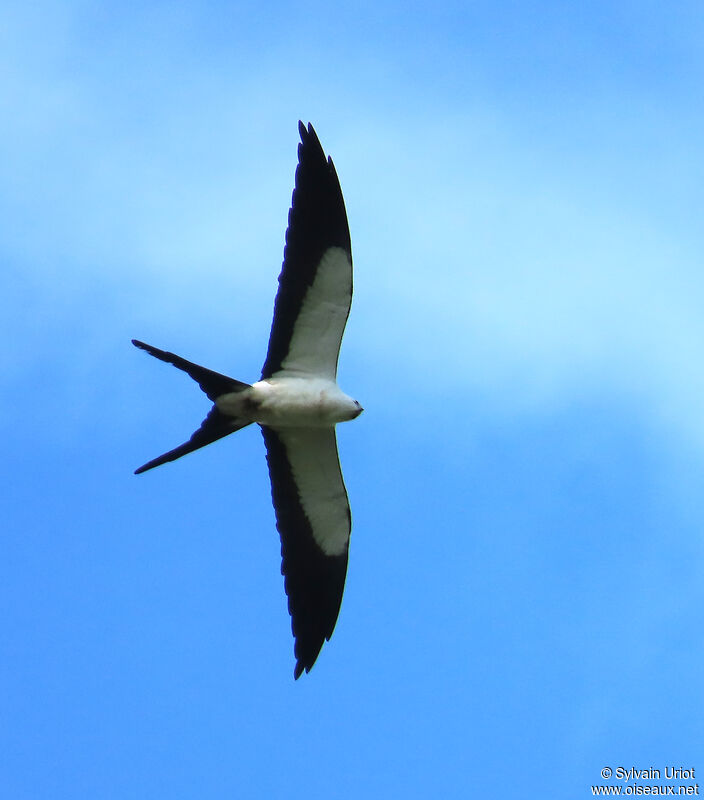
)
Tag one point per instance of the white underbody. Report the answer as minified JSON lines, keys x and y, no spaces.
{"x":285,"y":401}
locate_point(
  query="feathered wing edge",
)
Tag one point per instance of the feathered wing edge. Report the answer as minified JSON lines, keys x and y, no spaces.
{"x":314,"y":581}
{"x":317,"y":223}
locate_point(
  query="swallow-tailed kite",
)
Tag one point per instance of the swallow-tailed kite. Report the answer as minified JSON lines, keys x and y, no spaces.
{"x":297,"y":401}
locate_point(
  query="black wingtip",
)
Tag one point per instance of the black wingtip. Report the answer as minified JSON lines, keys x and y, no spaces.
{"x":307,"y":132}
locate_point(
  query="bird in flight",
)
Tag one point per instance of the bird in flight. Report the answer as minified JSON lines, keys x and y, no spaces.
{"x":297,"y":402}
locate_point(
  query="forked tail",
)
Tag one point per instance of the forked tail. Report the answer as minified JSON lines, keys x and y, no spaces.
{"x":216,"y":424}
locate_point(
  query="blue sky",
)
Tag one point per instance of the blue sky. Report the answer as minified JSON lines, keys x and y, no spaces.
{"x":524,"y":598}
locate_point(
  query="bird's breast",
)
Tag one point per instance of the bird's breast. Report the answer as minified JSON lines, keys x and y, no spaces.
{"x":291,"y":402}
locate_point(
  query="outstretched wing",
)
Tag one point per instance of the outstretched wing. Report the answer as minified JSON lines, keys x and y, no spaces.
{"x":315,"y":285}
{"x":313,"y":519}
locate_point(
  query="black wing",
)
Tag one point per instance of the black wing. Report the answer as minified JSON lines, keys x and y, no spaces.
{"x":313,"y":519}
{"x":315,"y":285}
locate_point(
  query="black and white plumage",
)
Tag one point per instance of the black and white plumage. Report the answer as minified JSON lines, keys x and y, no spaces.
{"x":297,"y":402}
